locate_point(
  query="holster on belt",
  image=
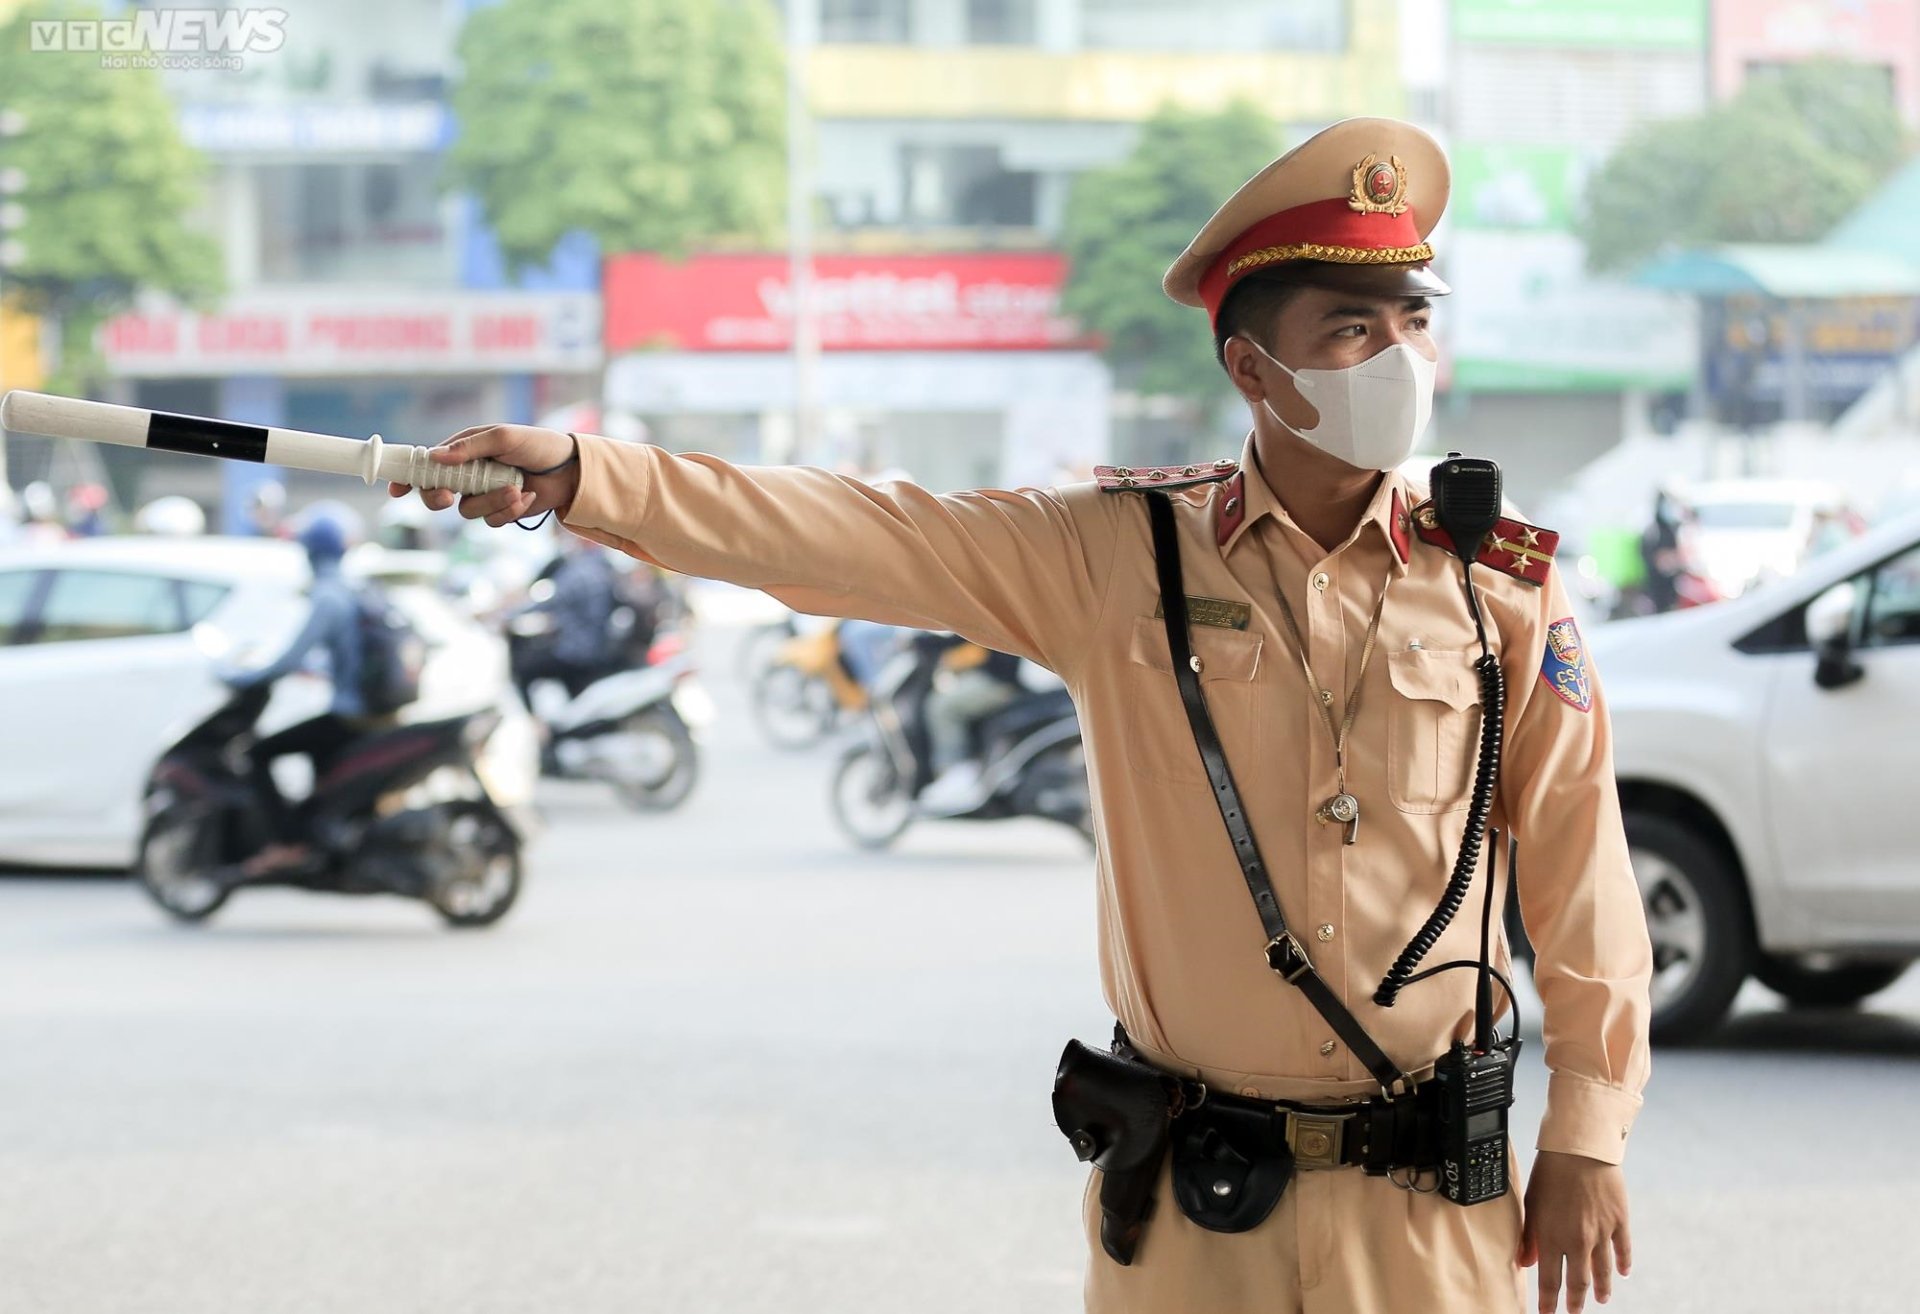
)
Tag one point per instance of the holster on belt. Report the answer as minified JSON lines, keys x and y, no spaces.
{"x":1116,"y":1111}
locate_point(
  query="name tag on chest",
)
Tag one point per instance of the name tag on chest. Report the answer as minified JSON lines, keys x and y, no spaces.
{"x":1217,"y":612}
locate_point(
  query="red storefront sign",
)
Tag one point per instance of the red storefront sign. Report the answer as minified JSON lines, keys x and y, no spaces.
{"x":951,"y":302}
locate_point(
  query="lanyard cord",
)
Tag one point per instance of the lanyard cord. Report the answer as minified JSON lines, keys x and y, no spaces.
{"x":1339,"y":732}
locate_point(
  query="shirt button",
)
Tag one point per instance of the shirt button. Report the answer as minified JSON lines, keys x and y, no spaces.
{"x":1321,"y":581}
{"x":1325,"y":932}
{"x":1326,"y":697}
{"x":1251,"y":1092}
{"x":1328,"y":1048}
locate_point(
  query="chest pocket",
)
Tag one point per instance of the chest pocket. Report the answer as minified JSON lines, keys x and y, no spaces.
{"x":1434,"y":729}
{"x":1159,"y":741}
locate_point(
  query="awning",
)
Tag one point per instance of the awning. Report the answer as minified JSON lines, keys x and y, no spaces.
{"x":1810,"y":270}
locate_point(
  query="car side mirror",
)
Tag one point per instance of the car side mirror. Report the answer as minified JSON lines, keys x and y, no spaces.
{"x":1830,"y":630}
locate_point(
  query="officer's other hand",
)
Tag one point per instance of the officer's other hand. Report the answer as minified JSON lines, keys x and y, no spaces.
{"x":523,"y":446}
{"x":1576,"y":1219}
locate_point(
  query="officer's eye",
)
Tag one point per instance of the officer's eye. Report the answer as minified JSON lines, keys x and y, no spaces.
{"x":1351,"y":331}
{"x":1419,"y":323}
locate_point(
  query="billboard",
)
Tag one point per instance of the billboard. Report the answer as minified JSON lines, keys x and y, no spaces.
{"x":1526,"y":316}
{"x":969,"y":301}
{"x":347,"y":333}
{"x":1662,"y":24}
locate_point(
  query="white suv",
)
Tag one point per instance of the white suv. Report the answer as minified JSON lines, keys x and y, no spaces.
{"x":1768,"y":754}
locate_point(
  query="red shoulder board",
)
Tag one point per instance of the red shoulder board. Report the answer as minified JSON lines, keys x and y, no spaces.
{"x":1140,"y":478}
{"x":1513,"y":548}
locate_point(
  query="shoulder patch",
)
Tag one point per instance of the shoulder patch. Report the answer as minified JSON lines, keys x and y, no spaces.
{"x":1564,"y":667}
{"x":1514,"y":548}
{"x":1143,"y":478}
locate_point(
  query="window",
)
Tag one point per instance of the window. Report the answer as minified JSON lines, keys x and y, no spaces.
{"x":16,"y":591}
{"x":964,"y":186}
{"x":1000,"y":22}
{"x":200,"y":598}
{"x":1893,"y":602}
{"x":882,"y":22}
{"x":1225,"y":25}
{"x":98,"y":604}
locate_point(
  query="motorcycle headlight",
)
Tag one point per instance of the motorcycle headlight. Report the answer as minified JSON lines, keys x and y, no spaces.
{"x":508,"y":764}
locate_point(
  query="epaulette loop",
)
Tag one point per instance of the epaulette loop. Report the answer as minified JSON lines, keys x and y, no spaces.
{"x":1142,"y":478}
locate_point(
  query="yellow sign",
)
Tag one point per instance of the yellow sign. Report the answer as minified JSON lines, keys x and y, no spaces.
{"x":20,"y":363}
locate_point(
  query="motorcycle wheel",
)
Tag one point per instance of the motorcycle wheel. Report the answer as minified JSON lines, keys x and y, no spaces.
{"x":178,"y":850}
{"x":792,"y":709}
{"x":658,"y":734}
{"x":870,"y":802}
{"x":478,"y":879}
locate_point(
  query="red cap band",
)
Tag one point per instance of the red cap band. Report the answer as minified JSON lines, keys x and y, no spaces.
{"x":1330,"y":230}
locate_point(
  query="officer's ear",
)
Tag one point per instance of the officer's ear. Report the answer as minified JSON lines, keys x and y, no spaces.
{"x":1243,"y":361}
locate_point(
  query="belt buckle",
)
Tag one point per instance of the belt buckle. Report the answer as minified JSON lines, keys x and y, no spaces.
{"x":1317,"y":1139}
{"x":1288,"y":957}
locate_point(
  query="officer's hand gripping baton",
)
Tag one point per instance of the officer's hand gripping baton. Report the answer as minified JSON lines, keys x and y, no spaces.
{"x":133,"y":426}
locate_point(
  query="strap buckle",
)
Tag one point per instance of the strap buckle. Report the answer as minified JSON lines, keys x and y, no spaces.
{"x":1317,"y":1139}
{"x":1288,"y":957}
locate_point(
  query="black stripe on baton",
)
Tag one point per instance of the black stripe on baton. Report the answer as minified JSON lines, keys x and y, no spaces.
{"x":200,"y":437}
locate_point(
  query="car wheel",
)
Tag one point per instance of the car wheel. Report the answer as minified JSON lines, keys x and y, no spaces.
{"x":1697,"y":919}
{"x":1837,"y":984}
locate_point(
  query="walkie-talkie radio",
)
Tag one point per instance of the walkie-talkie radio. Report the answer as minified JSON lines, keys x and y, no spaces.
{"x":1476,"y":1090}
{"x":1476,"y":1082}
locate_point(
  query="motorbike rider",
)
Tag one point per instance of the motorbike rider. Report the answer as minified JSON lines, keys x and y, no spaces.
{"x":585,"y":593}
{"x":333,"y":628}
{"x":974,"y":683}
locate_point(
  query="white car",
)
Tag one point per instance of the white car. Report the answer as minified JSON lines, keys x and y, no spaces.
{"x":109,"y":651}
{"x":1767,"y":751}
{"x":1749,"y":531}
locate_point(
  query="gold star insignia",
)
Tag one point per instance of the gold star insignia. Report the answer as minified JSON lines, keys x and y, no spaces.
{"x":1533,"y":536}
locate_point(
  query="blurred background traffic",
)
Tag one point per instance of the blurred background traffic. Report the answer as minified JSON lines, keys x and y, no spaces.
{"x":908,"y":239}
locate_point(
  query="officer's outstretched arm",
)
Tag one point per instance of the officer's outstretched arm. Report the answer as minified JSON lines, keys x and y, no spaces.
{"x":1024,"y":572}
{"x":1578,"y":897}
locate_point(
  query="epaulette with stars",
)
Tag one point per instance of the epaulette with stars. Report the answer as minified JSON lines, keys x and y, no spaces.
{"x":1147,"y":478}
{"x":1513,"y":547}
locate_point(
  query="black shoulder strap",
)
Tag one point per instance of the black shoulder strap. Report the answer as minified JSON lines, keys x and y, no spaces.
{"x":1284,"y":953}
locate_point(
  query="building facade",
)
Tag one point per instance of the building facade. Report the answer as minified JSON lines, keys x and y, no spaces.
{"x":361,"y":296}
{"x":944,"y":138}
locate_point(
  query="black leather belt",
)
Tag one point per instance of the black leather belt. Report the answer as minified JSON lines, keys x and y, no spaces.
{"x":1340,"y":1136}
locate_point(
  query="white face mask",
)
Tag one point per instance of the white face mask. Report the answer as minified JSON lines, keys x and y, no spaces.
{"x":1371,"y":414}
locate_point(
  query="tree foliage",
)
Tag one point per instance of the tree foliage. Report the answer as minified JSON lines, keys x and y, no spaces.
{"x":1125,"y":224}
{"x":109,"y":186}
{"x":647,"y":123}
{"x":1783,"y":161}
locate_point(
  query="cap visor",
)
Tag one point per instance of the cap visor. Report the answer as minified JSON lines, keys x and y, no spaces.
{"x":1370,"y":280}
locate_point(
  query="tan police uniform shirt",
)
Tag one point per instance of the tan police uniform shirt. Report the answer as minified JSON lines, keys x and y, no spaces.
{"x":1066,"y":577}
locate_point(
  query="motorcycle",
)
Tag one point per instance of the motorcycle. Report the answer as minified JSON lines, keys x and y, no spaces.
{"x":403,"y":810}
{"x":803,"y":686}
{"x":633,"y":727}
{"x":1034,"y":764}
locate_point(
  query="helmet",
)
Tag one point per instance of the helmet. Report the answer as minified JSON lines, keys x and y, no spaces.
{"x":173,"y":516}
{"x":322,"y":536}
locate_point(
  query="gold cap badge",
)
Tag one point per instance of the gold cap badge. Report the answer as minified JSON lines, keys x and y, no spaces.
{"x":1379,"y":187}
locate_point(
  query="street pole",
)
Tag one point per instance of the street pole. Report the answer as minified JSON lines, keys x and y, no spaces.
{"x":804,"y":331}
{"x":12,"y":217}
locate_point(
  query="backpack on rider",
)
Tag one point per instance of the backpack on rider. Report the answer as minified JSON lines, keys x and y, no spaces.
{"x":392,"y":653}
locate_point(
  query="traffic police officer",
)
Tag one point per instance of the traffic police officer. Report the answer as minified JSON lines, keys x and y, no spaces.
{"x":1313,"y":587}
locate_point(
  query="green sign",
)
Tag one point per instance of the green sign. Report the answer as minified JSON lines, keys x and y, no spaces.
{"x":1503,"y":186}
{"x":1666,"y":24}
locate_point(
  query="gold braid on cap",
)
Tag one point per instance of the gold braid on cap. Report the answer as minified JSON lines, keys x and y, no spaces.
{"x":1338,"y":255}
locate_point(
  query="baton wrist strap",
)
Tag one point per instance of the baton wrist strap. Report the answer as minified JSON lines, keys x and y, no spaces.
{"x":1284,"y":952}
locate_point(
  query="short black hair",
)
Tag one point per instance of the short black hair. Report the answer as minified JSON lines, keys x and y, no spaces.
{"x":1250,"y":308}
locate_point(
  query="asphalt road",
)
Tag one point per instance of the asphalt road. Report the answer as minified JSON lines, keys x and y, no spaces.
{"x":718,"y":1061}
